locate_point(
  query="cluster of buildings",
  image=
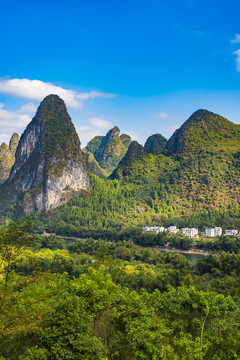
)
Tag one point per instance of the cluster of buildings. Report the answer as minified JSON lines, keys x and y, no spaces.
{"x":191,"y":232}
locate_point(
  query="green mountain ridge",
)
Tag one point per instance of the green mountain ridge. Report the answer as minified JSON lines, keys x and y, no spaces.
{"x":109,"y":150}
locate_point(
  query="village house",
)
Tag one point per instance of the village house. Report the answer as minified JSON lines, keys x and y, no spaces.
{"x":231,"y":232}
{"x":189,"y":232}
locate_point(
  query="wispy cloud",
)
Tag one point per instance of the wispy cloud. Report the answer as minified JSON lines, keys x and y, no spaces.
{"x":237,"y":59}
{"x":36,"y":90}
{"x":96,"y":126}
{"x":159,"y":115}
{"x":12,"y":121}
{"x":236,"y":40}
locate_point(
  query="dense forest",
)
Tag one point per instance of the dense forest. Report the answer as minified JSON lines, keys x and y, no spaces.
{"x":113,"y":300}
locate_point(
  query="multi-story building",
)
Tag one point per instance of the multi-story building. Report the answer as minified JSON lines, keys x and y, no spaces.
{"x":217,"y":231}
{"x":212,"y":232}
{"x":190,"y":232}
{"x":209,"y":232}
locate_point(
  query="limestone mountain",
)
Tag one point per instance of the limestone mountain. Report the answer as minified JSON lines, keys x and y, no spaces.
{"x":49,"y":166}
{"x":204,"y":131}
{"x":110,"y":149}
{"x":155,"y":144}
{"x":6,"y":162}
{"x":13,"y":144}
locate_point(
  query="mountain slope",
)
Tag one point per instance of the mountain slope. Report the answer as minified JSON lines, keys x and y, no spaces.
{"x":93,"y":166}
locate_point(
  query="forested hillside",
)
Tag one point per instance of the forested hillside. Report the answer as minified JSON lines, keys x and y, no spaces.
{"x":113,"y":301}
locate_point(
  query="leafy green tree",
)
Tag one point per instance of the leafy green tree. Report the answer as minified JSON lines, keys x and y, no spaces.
{"x":13,"y":242}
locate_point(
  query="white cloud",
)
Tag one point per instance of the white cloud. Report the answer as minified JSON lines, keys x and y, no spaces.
{"x":237,"y":59}
{"x":93,"y":94}
{"x":13,"y":119}
{"x":100,"y":123}
{"x":96,"y":126}
{"x":236,"y":40}
{"x":29,"y":108}
{"x":36,"y":90}
{"x":161,"y":115}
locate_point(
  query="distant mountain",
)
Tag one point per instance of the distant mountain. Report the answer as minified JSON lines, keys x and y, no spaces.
{"x":6,"y":162}
{"x":110,"y":149}
{"x":13,"y":144}
{"x":7,"y":157}
{"x":49,"y":166}
{"x":155,"y":144}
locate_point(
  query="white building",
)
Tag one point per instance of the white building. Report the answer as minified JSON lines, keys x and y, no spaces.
{"x":155,"y":229}
{"x":231,"y":232}
{"x":190,"y":232}
{"x":173,"y":229}
{"x":212,"y":232}
{"x":209,"y":232}
{"x":218,"y":231}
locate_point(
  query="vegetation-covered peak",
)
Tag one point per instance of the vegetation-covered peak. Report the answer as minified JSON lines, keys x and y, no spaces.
{"x":6,"y":162}
{"x":4,"y":147}
{"x":204,"y":131}
{"x":108,"y":150}
{"x":13,"y":144}
{"x":59,"y":134}
{"x":135,"y":152}
{"x":113,"y":133}
{"x":94,"y":144}
{"x":155,"y":144}
{"x":126,"y":139}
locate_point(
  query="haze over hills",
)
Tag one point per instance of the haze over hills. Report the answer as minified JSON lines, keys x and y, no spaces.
{"x":193,"y":179}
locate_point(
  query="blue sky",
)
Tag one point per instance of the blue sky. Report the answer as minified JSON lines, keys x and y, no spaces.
{"x":143,"y":65}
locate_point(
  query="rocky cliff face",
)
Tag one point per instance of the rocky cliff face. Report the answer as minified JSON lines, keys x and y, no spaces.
{"x":49,"y":166}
